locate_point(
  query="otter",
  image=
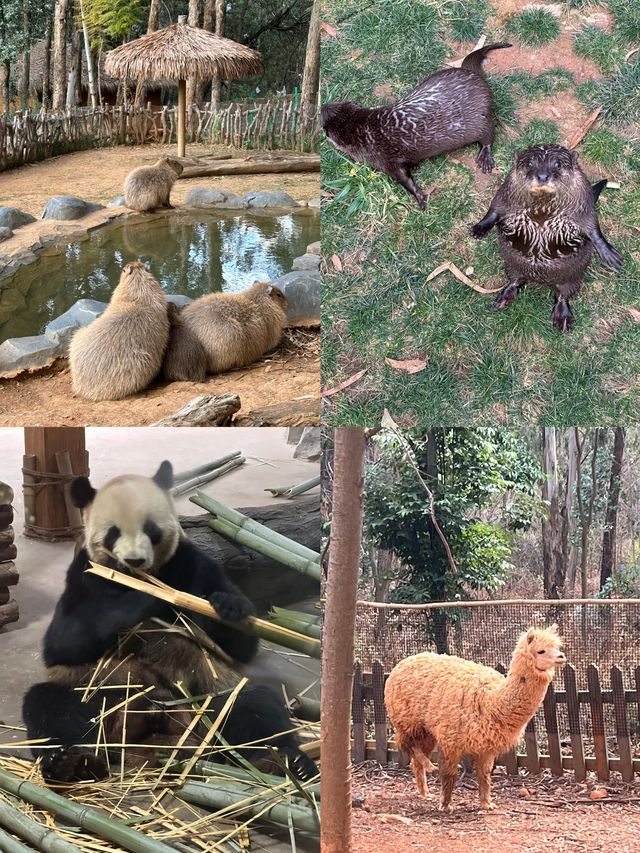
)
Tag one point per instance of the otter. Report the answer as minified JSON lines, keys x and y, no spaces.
{"x":121,"y":352}
{"x":449,"y":109}
{"x":148,"y":187}
{"x":185,"y":358}
{"x":545,"y":212}
{"x":237,"y":328}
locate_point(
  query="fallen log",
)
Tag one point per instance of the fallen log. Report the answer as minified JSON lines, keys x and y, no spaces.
{"x":205,"y":410}
{"x":256,"y":165}
{"x":290,"y":413}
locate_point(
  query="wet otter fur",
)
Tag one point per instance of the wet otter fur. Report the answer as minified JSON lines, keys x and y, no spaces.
{"x":121,"y":352}
{"x":449,"y":109}
{"x":545,"y":213}
{"x":148,"y":187}
{"x":185,"y":359}
{"x":236,"y":329}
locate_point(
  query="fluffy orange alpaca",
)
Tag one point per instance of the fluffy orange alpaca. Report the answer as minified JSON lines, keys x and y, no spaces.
{"x":468,"y":709}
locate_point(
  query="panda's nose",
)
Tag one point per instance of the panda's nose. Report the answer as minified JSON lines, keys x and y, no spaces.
{"x":135,"y":564}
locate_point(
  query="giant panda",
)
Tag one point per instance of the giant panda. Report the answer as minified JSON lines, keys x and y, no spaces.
{"x":107,"y":643}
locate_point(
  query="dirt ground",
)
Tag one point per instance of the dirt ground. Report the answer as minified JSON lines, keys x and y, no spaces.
{"x":98,"y":176}
{"x":45,"y":398}
{"x":535,"y":815}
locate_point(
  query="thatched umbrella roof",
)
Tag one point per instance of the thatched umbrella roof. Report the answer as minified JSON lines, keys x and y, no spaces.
{"x":181,"y":52}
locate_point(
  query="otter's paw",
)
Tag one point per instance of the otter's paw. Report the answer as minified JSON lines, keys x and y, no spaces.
{"x":485,"y":159}
{"x":505,"y":297}
{"x":562,"y":316}
{"x":611,"y":257}
{"x":479,"y":230}
{"x":231,"y":606}
{"x":73,"y":765}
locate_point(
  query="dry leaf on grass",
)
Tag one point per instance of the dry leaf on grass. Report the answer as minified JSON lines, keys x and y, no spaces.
{"x":452,"y":268}
{"x":336,"y":262}
{"x":394,"y":818}
{"x":329,"y":392}
{"x":411,"y":365}
{"x":329,"y":30}
{"x":634,"y":314}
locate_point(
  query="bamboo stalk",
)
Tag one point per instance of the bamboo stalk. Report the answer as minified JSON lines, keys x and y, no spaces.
{"x":208,"y":477}
{"x":253,"y":625}
{"x":183,"y":476}
{"x":240,"y":798}
{"x":87,"y":817}
{"x":219,"y":509}
{"x":303,"y":623}
{"x":227,"y":771}
{"x":8,"y":844}
{"x":306,"y":709}
{"x":39,"y":836}
{"x":262,"y":546}
{"x":292,"y":491}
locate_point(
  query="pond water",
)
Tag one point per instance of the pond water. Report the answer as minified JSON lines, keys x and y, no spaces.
{"x":191,"y":253}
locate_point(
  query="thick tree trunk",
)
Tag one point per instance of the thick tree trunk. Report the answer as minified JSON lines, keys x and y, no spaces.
{"x":608,"y":561}
{"x":46,"y":70}
{"x":554,"y":572}
{"x":5,"y":72}
{"x":74,"y":85}
{"x":216,"y":82}
{"x":311,"y":75}
{"x":152,"y":26}
{"x":61,"y":13}
{"x":26,"y":57}
{"x":569,"y":551}
{"x":586,"y":513}
{"x":93,"y":98}
{"x":193,"y":20}
{"x":337,"y":636}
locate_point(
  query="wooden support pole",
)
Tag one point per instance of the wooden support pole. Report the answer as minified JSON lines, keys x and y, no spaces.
{"x":182,"y":115}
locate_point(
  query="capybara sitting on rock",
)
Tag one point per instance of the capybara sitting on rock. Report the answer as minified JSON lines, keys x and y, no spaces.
{"x":121,"y":352}
{"x":449,"y":109}
{"x":148,"y":187}
{"x":545,"y":213}
{"x":237,"y":328}
{"x":185,"y":358}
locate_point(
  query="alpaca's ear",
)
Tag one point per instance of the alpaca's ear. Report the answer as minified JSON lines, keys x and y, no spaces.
{"x":554,"y":628}
{"x":530,"y":635}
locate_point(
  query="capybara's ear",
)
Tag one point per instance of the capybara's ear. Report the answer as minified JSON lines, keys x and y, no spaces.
{"x":269,"y":288}
{"x":164,"y":476}
{"x":147,"y":266}
{"x":82,"y":492}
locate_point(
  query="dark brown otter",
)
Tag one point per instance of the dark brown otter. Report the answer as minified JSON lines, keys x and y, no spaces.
{"x":449,"y":109}
{"x":545,"y":212}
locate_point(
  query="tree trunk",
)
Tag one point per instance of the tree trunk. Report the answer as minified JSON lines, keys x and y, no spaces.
{"x":26,"y":57}
{"x":61,"y":13}
{"x":585,"y":513}
{"x":193,"y":20}
{"x":569,"y":552}
{"x":311,"y":75}
{"x":208,"y":18}
{"x":46,"y":69}
{"x":215,"y":82}
{"x":89,"y":56}
{"x":337,"y":640}
{"x":554,"y":574}
{"x":74,"y":88}
{"x":5,"y":72}
{"x":152,"y":26}
{"x":608,"y":561}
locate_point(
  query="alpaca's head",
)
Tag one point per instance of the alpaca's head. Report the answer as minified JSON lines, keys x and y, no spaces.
{"x":539,"y":650}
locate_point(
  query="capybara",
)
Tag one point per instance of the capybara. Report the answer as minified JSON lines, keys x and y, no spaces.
{"x":545,"y":213}
{"x":148,"y":187}
{"x":121,"y":352}
{"x":185,"y":358}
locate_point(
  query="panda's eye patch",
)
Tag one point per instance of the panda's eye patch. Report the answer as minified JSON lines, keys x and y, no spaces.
{"x":113,"y":534}
{"x":152,"y":531}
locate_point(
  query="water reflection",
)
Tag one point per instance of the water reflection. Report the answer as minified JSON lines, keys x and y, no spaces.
{"x":191,"y":254}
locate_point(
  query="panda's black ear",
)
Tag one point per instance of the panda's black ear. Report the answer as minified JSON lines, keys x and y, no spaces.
{"x":82,"y":492}
{"x":164,"y":476}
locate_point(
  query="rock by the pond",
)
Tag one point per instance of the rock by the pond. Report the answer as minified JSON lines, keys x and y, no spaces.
{"x":302,"y":289}
{"x":67,"y":207}
{"x":306,"y":262}
{"x":83,"y":312}
{"x":314,"y":202}
{"x":270,"y":198}
{"x":179,"y":300}
{"x":20,"y":353}
{"x":309,"y":445}
{"x":5,"y":233}
{"x":117,"y":202}
{"x":205,"y":197}
{"x":314,"y":248}
{"x":12,"y":217}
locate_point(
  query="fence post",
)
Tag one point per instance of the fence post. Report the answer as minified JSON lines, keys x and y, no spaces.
{"x":573,"y":714}
{"x":597,"y":721}
{"x":622,"y":727}
{"x":551,"y":725}
{"x":358,"y":753}
{"x":379,"y":712}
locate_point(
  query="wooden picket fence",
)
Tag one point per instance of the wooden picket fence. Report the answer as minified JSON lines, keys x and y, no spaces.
{"x":268,"y":123}
{"x":584,"y":729}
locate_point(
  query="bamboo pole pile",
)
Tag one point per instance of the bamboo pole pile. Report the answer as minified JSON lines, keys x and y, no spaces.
{"x":8,"y":574}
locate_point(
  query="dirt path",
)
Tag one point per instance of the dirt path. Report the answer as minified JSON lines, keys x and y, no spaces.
{"x":550,"y":815}
{"x":45,"y":398}
{"x":98,"y":176}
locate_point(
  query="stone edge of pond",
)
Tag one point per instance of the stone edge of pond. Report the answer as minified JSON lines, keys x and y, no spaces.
{"x":34,"y":353}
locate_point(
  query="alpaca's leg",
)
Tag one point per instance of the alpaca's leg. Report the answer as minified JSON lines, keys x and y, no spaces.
{"x":427,"y":745}
{"x":419,"y":768}
{"x":448,"y":767}
{"x":484,"y":766}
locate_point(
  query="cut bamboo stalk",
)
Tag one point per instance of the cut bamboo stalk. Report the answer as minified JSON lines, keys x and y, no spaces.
{"x":262,"y":546}
{"x":8,"y":844}
{"x":292,"y":491}
{"x":37,"y":834}
{"x":226,"y":771}
{"x":87,"y":817}
{"x":306,"y":709}
{"x":253,"y":625}
{"x":254,"y":800}
{"x":208,"y":477}
{"x":303,"y":626}
{"x":243,"y":521}
{"x":183,"y":476}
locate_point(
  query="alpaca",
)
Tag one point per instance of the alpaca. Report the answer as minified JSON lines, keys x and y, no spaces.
{"x":468,"y":709}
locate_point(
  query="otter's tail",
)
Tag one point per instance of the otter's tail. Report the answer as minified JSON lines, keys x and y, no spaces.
{"x":473,"y":62}
{"x":596,"y":189}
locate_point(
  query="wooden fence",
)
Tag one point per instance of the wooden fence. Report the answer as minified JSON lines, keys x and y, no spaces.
{"x":587,"y":728}
{"x":261,"y":124}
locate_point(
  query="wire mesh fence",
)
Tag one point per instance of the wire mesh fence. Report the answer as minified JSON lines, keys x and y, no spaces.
{"x":590,"y":719}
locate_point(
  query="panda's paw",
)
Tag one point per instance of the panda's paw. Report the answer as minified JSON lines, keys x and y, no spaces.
{"x":232,"y":607}
{"x":73,"y":765}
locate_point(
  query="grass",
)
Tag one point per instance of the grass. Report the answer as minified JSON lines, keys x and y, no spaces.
{"x":482,"y":366}
{"x":534,"y":27}
{"x":598,"y":45}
